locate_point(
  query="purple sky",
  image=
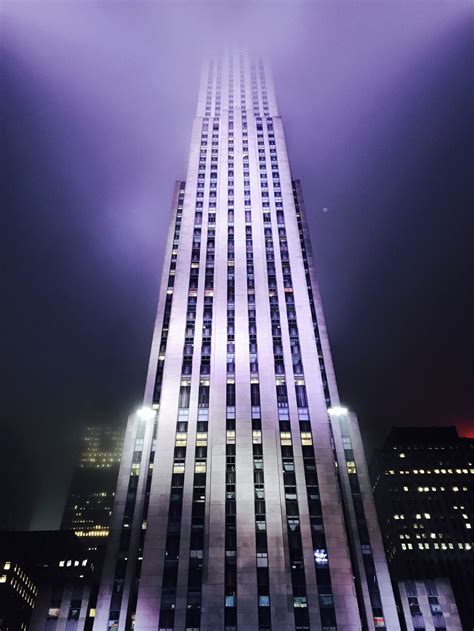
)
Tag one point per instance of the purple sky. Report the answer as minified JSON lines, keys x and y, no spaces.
{"x":98,"y":100}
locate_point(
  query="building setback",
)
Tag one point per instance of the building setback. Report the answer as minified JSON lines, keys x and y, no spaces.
{"x":243,"y":498}
{"x":422,"y":480}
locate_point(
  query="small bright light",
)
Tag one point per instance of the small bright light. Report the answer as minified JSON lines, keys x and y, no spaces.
{"x":321,"y":557}
{"x":146,"y":413}
{"x":337,"y":411}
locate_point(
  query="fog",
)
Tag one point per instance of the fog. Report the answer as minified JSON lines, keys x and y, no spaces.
{"x":98,"y":100}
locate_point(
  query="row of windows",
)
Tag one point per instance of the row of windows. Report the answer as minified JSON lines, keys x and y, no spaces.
{"x":300,"y":609}
{"x":309,"y":287}
{"x":230,"y":558}
{"x":317,"y":529}
{"x":367,"y":555}
{"x":124,"y":543}
{"x":170,"y":571}
{"x":263,"y":578}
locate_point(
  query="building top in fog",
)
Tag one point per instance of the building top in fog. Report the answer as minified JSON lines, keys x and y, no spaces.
{"x":91,"y":494}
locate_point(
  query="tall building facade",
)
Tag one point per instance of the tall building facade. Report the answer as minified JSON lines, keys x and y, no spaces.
{"x":424,"y":495}
{"x":90,"y":499}
{"x":243,"y":499}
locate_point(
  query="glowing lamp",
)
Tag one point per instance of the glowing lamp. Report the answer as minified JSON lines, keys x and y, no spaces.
{"x":146,"y":413}
{"x":337,"y":411}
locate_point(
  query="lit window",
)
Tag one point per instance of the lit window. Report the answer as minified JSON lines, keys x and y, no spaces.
{"x":351,"y":467}
{"x":7,"y":565}
{"x":201,"y":439}
{"x":300,"y":601}
{"x":180,"y":439}
{"x":285,"y":438}
{"x":306,"y":439}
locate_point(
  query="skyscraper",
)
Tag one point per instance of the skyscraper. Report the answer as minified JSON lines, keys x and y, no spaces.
{"x":91,"y":496}
{"x":243,"y":499}
{"x":423,"y":489}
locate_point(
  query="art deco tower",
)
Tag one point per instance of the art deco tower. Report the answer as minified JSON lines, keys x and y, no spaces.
{"x":242,"y":502}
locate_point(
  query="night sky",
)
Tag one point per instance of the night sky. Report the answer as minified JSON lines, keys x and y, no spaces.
{"x":98,"y":101}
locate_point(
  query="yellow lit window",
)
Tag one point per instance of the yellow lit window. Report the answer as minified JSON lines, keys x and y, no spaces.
{"x":201,"y":439}
{"x":231,"y":437}
{"x":256,"y":437}
{"x":178,"y":468}
{"x":285,"y":438}
{"x":402,"y":455}
{"x":351,"y":467}
{"x":180,"y":439}
{"x":3,"y":578}
{"x":135,"y":469}
{"x":92,"y":612}
{"x":200,"y":467}
{"x":306,"y":439}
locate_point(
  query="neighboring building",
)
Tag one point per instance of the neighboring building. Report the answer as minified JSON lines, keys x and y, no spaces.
{"x":17,"y":594}
{"x":50,"y":580}
{"x":230,"y":511}
{"x":423,"y":486}
{"x":91,"y":495}
{"x":429,"y":605}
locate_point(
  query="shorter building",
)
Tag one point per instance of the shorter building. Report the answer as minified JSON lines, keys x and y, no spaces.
{"x":91,"y":495}
{"x":423,"y":482}
{"x":429,"y":605}
{"x":46,"y":579}
{"x":17,"y":595}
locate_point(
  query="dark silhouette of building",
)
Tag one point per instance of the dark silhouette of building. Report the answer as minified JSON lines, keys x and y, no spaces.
{"x":423,"y":488}
{"x":17,"y":595}
{"x":46,"y":577}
